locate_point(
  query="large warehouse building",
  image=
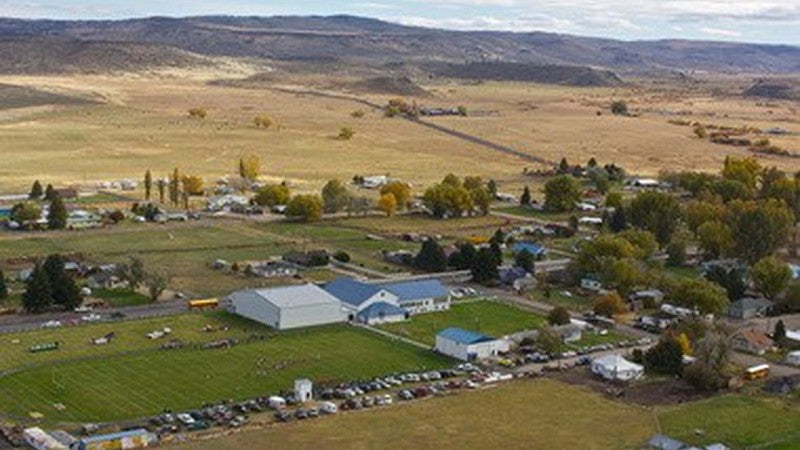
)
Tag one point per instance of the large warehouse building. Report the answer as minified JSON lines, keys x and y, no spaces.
{"x":288,"y":306}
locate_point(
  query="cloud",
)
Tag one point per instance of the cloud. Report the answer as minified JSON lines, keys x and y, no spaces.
{"x":720,"y":32}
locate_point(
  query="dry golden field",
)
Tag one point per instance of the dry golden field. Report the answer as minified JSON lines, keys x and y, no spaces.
{"x":142,"y":123}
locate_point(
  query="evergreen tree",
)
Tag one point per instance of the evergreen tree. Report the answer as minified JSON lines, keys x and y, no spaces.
{"x":431,"y":257}
{"x":484,"y":269}
{"x":36,"y":190}
{"x":242,"y":171}
{"x":464,"y":257}
{"x":618,"y":221}
{"x":779,"y":334}
{"x":57,"y":216}
{"x":3,"y":287}
{"x":49,"y":193}
{"x":497,"y":253}
{"x":563,"y":166}
{"x":148,"y":184}
{"x":526,"y":261}
{"x":665,"y":357}
{"x":525,"y":199}
{"x":37,"y":296}
{"x":492,"y":187}
{"x":592,"y":162}
{"x":63,"y":290}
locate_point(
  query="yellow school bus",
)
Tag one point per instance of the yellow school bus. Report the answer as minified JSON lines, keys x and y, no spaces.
{"x":209,"y":303}
{"x":756,"y":372}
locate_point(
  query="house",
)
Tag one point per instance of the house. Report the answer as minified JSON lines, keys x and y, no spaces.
{"x":106,"y":280}
{"x":645,"y":183}
{"x":413,"y":297}
{"x":420,"y":296}
{"x":591,"y":221}
{"x":382,"y":312}
{"x":793,"y":358}
{"x":748,"y":308}
{"x":645,"y":299}
{"x":399,"y":257}
{"x":82,"y":219}
{"x":569,"y":333}
{"x":616,"y":368}
{"x":534,"y":249}
{"x":288,"y":307}
{"x":512,"y":276}
{"x":270,"y":269}
{"x":374,"y":182}
{"x":226,"y":202}
{"x":468,"y":345}
{"x":591,"y":283}
{"x":751,"y":340}
{"x":66,"y":193}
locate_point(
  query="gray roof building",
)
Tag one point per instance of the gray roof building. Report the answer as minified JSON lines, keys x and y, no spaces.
{"x":288,"y":306}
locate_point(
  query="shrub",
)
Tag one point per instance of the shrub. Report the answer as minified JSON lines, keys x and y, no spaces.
{"x":198,"y":112}
{"x":342,"y":256}
{"x":558,"y":316}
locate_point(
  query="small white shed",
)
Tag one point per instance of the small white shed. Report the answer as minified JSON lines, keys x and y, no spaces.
{"x":303,"y":390}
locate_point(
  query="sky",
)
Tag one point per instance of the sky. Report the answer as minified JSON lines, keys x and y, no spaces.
{"x":776,"y":22}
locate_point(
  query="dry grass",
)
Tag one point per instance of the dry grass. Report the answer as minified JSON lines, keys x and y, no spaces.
{"x":527,"y":414}
{"x":144,"y":125}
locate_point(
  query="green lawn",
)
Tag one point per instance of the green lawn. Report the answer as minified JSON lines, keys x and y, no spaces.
{"x":121,"y":297}
{"x":518,"y":210}
{"x":575,"y":302}
{"x":735,"y":420}
{"x":140,"y":383}
{"x":593,"y":338}
{"x":487,"y":317}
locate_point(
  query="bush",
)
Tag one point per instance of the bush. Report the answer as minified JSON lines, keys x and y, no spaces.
{"x":342,"y":256}
{"x":346,"y":133}
{"x":199,"y":113}
{"x":558,"y":316}
{"x":619,"y":108}
{"x":665,"y":357}
{"x":676,"y":253}
{"x":610,"y":305}
{"x":116,"y":216}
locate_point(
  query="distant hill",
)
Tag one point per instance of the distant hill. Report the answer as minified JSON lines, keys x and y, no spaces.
{"x":774,"y":89}
{"x":39,"y":55}
{"x":359,"y":40}
{"x":551,"y":74}
{"x":12,"y":96}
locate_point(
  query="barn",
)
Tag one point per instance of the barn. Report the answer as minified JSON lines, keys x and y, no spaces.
{"x":469,"y":345}
{"x":288,"y":307}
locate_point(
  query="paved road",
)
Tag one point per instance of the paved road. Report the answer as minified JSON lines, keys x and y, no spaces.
{"x":17,"y":323}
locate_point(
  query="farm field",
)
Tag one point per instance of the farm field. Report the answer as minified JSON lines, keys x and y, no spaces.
{"x":488,"y":317}
{"x":519,"y":415}
{"x":143,"y":124}
{"x":139,"y":383}
{"x":186,"y":250}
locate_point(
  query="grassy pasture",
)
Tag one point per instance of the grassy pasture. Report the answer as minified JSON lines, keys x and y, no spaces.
{"x":526,"y":414}
{"x":133,"y":379}
{"x":736,"y":420}
{"x":487,"y":317}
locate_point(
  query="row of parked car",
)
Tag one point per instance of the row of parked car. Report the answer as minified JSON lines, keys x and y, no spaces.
{"x":353,"y":395}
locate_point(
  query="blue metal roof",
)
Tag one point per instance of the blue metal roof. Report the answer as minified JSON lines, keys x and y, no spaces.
{"x":351,"y":291}
{"x":114,"y":436}
{"x":416,"y":290}
{"x":463,"y":336}
{"x":381,"y":309}
{"x":533,"y":248}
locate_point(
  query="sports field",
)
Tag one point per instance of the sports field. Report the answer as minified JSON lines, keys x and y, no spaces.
{"x":487,"y":317}
{"x":130,"y":378}
{"x":526,"y":414}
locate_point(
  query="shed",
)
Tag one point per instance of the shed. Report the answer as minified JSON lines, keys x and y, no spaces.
{"x":288,"y":306}
{"x":749,"y":307}
{"x":303,"y":390}
{"x":751,"y":340}
{"x":616,"y":368}
{"x":469,"y":345}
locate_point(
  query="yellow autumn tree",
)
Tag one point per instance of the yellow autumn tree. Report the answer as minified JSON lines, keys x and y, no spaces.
{"x":685,"y":343}
{"x":387,"y":204}
{"x":250,"y":166}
